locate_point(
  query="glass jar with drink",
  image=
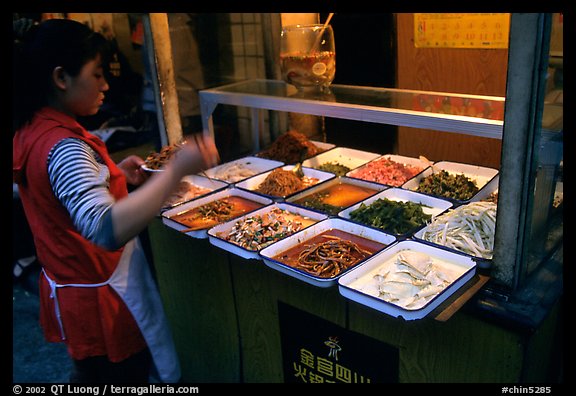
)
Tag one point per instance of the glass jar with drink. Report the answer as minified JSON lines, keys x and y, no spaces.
{"x":308,"y":56}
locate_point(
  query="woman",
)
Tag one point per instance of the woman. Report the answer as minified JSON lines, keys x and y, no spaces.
{"x":96,"y":291}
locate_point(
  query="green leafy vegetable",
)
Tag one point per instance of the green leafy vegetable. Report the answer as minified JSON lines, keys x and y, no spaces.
{"x":393,"y":216}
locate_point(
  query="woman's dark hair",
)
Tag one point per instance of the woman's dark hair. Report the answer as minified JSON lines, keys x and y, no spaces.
{"x":52,"y":43}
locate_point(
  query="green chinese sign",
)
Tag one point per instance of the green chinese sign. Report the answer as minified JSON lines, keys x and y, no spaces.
{"x":315,"y":350}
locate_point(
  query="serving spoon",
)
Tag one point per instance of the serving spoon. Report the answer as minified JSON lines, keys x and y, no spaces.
{"x":297,"y":170}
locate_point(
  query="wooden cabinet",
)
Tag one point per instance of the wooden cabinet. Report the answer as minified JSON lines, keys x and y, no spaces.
{"x":465,"y":71}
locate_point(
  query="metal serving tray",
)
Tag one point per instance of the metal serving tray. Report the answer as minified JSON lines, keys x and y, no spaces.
{"x":396,"y":158}
{"x":269,"y":252}
{"x":252,"y":183}
{"x":252,"y":166}
{"x":357,"y":285}
{"x":481,"y":175}
{"x":199,"y":181}
{"x":482,"y":262}
{"x":490,"y":188}
{"x":348,"y":157}
{"x":203,"y":233}
{"x":247,"y":253}
{"x":323,"y":145}
{"x":337,"y":180}
{"x":430,"y":205}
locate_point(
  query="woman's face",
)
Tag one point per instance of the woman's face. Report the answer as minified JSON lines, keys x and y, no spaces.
{"x":84,"y":94}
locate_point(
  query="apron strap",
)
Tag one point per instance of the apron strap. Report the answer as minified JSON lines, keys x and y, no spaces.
{"x":53,"y":295}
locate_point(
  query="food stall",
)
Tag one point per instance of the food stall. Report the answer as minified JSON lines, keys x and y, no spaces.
{"x":388,"y":302}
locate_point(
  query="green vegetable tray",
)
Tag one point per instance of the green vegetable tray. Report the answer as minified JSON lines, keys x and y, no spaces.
{"x":389,"y":217}
{"x":481,"y":176}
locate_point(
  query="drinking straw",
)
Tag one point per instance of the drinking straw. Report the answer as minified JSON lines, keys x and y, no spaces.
{"x":315,"y":45}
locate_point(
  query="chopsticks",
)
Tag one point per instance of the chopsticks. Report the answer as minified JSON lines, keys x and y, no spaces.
{"x":203,"y":173}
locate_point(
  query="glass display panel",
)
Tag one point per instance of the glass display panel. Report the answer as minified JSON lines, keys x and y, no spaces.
{"x":477,"y":106}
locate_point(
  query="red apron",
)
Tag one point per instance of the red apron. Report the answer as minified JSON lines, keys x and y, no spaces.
{"x":87,"y":298}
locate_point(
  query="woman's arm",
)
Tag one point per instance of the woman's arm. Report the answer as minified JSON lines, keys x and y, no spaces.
{"x":80,"y":182}
{"x":132,"y":214}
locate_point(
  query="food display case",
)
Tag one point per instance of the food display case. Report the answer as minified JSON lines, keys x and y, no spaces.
{"x":225,"y":305}
{"x":369,"y":104}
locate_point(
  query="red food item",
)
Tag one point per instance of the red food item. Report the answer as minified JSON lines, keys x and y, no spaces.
{"x":386,"y":171}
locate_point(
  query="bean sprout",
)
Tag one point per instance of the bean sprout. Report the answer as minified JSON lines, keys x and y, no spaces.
{"x":469,"y":228}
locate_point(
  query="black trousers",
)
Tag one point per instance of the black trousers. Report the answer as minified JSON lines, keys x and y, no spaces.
{"x":98,"y":369}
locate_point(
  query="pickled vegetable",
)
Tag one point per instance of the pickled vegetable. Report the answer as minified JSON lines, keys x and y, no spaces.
{"x":334,"y":167}
{"x":444,"y":184}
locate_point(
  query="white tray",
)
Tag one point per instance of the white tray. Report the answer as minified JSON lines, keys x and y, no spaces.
{"x":480,"y":261}
{"x":348,"y":157}
{"x":351,"y":284}
{"x":147,"y":169}
{"x":252,"y":183}
{"x":431,"y":205}
{"x":337,"y":180}
{"x":230,"y":191}
{"x":252,"y":165}
{"x":487,"y":190}
{"x":396,"y":158}
{"x":247,"y":253}
{"x":481,"y":175}
{"x":200,"y":181}
{"x":302,"y":236}
{"x":322,"y":145}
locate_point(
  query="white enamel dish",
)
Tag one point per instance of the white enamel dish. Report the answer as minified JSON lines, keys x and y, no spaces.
{"x":482,"y":262}
{"x":203,"y":233}
{"x":482,"y":176}
{"x":327,"y":184}
{"x":252,"y":183}
{"x":323,"y":145}
{"x":358,"y":284}
{"x":300,"y":237}
{"x":407,"y":161}
{"x":348,"y":157}
{"x":217,"y":234}
{"x":199,"y":181}
{"x":240,"y":169}
{"x":430,"y":205}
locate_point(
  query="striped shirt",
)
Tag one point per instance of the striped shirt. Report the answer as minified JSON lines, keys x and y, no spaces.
{"x":79,"y":180}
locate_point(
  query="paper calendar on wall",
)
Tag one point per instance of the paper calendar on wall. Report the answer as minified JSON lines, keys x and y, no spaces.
{"x":467,"y":30}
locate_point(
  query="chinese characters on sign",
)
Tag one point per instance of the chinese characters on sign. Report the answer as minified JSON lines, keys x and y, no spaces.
{"x":312,"y":369}
{"x":326,"y":352}
{"x":467,"y":30}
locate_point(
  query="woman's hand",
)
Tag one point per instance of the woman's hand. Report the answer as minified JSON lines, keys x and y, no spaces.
{"x":131,"y":214}
{"x":198,"y":153}
{"x":131,"y":166}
